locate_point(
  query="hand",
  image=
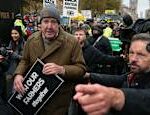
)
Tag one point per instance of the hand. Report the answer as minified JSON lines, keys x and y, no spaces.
{"x":52,"y":68}
{"x":18,"y":86}
{"x":97,"y":99}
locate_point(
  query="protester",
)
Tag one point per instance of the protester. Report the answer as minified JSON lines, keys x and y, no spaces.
{"x":99,"y":41}
{"x":91,"y":54}
{"x":30,"y":29}
{"x":19,"y":22}
{"x":102,"y":44}
{"x":87,"y":29}
{"x":14,"y":50}
{"x":61,"y":54}
{"x":108,"y":30}
{"x":134,"y":96}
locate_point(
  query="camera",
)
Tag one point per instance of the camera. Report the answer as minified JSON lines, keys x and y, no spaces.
{"x":4,"y":51}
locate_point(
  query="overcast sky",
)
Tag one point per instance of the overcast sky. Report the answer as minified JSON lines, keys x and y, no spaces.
{"x":142,"y":5}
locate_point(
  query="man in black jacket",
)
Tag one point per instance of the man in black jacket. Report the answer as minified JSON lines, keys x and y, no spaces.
{"x":133,"y":98}
{"x":92,"y":55}
{"x":99,"y":41}
{"x":102,"y":44}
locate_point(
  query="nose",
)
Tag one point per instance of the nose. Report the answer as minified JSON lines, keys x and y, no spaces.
{"x":133,"y":58}
{"x":49,"y":25}
{"x":78,"y":36}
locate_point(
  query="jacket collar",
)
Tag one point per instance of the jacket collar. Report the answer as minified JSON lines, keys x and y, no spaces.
{"x":53,"y":46}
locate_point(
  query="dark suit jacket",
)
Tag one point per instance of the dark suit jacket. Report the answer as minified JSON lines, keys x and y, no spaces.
{"x":103,"y":45}
{"x":136,"y":91}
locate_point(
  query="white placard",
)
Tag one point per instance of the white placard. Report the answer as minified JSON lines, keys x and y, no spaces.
{"x":87,"y":13}
{"x":47,"y":3}
{"x":70,"y":8}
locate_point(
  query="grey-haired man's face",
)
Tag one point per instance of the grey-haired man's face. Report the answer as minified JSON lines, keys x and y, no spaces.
{"x":49,"y":28}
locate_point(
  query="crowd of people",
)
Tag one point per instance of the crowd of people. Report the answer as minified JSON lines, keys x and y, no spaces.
{"x":101,"y":81}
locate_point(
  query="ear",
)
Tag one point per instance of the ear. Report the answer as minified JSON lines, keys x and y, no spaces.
{"x":148,"y":47}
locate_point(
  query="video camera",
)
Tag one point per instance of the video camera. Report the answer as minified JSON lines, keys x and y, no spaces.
{"x":4,"y":51}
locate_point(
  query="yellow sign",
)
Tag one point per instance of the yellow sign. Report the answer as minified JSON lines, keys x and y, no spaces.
{"x":79,"y":17}
{"x":110,"y":11}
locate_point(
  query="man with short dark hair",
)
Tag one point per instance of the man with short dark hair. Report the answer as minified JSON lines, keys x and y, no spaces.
{"x":133,"y":98}
{"x":92,"y":55}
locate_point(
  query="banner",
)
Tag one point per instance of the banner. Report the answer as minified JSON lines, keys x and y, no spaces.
{"x":39,"y":88}
{"x":65,"y":21}
{"x":70,"y":8}
{"x":115,"y":44}
{"x":87,"y":13}
{"x":47,"y":3}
